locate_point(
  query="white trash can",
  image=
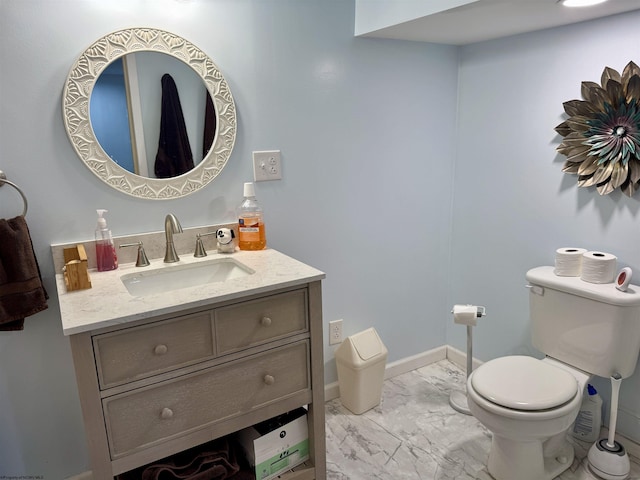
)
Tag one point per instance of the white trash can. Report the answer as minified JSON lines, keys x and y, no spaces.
{"x":361,"y":360}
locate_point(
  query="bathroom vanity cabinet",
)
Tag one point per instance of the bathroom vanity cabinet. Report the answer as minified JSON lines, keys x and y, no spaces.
{"x":179,"y":377}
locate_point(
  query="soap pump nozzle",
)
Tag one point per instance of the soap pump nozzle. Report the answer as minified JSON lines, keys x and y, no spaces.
{"x":102,"y":222}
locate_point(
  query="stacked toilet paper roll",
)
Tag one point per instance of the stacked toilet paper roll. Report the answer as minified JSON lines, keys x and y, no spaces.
{"x":569,"y":261}
{"x":599,"y":267}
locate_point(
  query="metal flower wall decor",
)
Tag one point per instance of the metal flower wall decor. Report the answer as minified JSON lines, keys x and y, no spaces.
{"x":602,"y":134}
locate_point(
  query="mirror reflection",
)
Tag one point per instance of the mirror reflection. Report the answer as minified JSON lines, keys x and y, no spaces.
{"x":210,"y":146}
{"x":152,"y":114}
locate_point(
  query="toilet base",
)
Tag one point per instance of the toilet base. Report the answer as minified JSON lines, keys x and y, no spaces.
{"x":509,"y":459}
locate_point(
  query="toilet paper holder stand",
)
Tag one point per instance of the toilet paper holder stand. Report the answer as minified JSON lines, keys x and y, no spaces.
{"x":458,"y":398}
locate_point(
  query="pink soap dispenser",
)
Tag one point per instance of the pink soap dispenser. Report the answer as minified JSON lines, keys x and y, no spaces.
{"x":106,"y":257}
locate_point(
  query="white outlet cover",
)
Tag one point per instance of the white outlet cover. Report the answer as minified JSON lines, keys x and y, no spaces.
{"x":267,"y":165}
{"x":335,"y":332}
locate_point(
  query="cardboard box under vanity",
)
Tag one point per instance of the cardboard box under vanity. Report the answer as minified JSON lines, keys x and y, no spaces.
{"x":276,"y":445}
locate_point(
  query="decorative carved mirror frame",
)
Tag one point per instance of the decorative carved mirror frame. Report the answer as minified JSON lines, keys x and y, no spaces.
{"x":75,"y":109}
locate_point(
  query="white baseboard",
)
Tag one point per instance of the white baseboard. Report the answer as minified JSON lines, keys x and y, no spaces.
{"x":82,"y":476}
{"x":331,"y":391}
{"x":420,"y":360}
{"x":393,"y":369}
{"x":460,"y":358}
{"x":632,"y":448}
{"x":405,"y":365}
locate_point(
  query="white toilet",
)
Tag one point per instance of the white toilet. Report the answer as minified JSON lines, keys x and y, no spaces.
{"x":584,"y":329}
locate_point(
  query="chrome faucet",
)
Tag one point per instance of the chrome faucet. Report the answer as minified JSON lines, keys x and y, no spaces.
{"x":171,"y":226}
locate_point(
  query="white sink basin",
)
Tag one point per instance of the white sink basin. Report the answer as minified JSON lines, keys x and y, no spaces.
{"x":172,"y":278}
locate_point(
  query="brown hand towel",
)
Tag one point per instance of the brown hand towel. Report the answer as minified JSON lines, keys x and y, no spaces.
{"x":21,"y":290}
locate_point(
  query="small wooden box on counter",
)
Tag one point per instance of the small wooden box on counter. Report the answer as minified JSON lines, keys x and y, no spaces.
{"x":76,"y":270}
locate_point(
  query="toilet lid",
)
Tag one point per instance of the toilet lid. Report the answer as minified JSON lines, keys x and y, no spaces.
{"x":524,"y":383}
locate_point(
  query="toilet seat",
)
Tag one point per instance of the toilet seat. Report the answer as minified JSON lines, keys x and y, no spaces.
{"x":524,"y":383}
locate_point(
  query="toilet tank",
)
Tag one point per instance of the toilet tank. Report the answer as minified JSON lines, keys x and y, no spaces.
{"x":593,"y":327}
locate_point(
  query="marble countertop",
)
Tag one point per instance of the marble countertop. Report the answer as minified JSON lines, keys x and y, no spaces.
{"x":109,"y":303}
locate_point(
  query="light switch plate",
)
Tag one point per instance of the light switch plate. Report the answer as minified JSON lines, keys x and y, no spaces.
{"x":267,"y":165}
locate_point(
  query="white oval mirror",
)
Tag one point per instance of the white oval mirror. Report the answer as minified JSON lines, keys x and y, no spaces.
{"x":78,"y":103}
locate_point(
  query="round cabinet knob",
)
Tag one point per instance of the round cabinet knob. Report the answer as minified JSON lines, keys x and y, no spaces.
{"x":265,"y":322}
{"x":269,"y":380}
{"x":160,"y":349}
{"x":166,"y":413}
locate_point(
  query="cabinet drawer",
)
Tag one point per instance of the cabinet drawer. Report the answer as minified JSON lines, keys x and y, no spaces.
{"x":258,"y":321}
{"x":142,"y":417}
{"x":139,"y":352}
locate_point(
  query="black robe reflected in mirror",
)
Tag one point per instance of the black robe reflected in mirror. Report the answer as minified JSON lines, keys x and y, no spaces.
{"x":174,"y":155}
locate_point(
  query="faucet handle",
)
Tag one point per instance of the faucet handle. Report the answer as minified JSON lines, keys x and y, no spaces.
{"x":200,"y":250}
{"x":142,"y":260}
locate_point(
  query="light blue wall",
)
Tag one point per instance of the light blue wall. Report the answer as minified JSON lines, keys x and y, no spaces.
{"x":366,"y":129}
{"x":513,"y":206}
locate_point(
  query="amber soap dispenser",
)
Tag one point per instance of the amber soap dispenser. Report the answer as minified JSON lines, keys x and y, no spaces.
{"x":251,"y":231}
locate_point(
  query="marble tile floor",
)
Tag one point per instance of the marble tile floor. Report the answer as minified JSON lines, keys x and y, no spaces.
{"x":415,"y":434}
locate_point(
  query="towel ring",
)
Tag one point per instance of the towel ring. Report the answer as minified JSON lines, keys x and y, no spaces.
{"x":3,"y":180}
